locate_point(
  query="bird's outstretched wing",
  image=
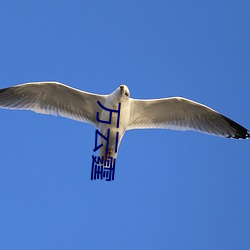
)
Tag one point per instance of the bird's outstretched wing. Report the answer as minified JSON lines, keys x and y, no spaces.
{"x":182,"y":114}
{"x":53,"y":98}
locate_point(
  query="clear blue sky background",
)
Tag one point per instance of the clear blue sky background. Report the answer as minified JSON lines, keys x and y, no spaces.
{"x":172,"y":190}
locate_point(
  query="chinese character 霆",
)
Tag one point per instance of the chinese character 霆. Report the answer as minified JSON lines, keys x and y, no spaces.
{"x":103,"y":171}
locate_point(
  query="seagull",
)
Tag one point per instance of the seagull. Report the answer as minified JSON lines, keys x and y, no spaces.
{"x":176,"y":113}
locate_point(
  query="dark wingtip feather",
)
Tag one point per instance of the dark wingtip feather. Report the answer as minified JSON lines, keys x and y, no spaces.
{"x":239,"y":131}
{"x":248,"y":134}
{"x":3,"y":90}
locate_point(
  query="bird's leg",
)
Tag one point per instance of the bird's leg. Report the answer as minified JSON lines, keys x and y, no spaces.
{"x":109,"y":154}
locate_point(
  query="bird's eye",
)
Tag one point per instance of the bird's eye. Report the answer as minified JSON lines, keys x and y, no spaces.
{"x":126,"y":93}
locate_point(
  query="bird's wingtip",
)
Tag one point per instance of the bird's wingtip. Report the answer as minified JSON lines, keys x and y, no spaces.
{"x":3,"y":90}
{"x":248,"y":134}
{"x":239,"y":131}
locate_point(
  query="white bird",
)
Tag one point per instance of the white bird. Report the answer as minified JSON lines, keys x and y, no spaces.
{"x":167,"y":113}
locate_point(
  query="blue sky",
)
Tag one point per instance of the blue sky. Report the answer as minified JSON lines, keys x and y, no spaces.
{"x":172,"y":190}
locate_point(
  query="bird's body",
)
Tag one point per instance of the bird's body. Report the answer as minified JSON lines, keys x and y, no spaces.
{"x":167,"y":113}
{"x":112,"y":102}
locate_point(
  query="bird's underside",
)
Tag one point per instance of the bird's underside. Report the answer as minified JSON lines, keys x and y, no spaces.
{"x":166,"y":113}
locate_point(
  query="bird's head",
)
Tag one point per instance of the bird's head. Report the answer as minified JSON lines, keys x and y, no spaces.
{"x":124,"y":91}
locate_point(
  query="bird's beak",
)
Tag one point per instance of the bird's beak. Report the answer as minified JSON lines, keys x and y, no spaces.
{"x":122,"y":88}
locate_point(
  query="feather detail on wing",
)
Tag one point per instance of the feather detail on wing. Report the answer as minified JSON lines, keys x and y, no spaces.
{"x":52,"y":98}
{"x":182,"y":114}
